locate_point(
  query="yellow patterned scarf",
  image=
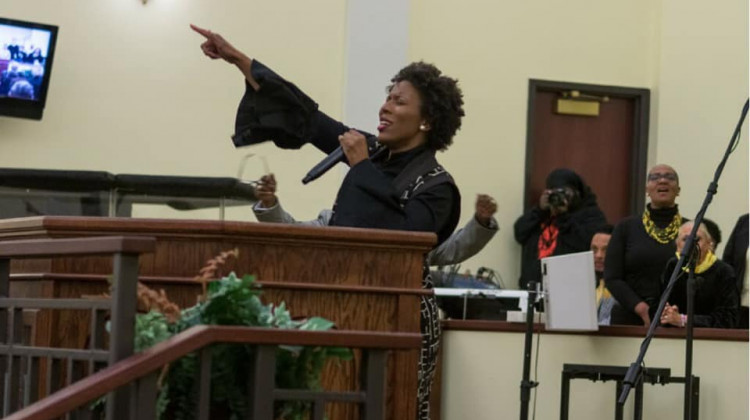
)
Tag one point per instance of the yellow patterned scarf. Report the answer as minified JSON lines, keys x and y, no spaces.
{"x":707,"y":262}
{"x":663,"y":236}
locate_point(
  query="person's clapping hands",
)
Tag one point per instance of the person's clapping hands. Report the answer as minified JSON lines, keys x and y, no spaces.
{"x":671,"y":316}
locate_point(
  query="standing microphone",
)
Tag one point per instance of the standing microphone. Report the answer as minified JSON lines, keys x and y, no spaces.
{"x":375,"y":149}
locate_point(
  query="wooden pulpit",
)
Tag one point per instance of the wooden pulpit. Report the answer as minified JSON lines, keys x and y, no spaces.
{"x":362,"y":279}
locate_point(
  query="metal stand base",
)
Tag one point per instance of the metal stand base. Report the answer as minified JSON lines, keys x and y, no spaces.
{"x":595,"y":373}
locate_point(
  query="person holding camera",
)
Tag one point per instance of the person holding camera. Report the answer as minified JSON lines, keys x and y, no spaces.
{"x":563,"y":222}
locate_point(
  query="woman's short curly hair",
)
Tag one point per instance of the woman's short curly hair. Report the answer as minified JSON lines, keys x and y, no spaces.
{"x":442,"y":101}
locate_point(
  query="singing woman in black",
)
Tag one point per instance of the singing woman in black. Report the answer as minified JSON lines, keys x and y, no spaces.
{"x":403,"y":189}
{"x":639,"y":249}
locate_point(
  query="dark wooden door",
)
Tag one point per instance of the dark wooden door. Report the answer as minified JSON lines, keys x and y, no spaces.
{"x":608,"y":151}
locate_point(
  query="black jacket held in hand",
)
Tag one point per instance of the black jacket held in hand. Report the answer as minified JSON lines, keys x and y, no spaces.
{"x":279,"y":112}
{"x":404,"y":191}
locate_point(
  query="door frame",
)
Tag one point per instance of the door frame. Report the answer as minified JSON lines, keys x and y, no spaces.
{"x":639,"y":157}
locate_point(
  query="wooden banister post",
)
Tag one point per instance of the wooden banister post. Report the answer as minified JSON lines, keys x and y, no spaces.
{"x":4,"y":339}
{"x":263,"y":383}
{"x":122,"y":325}
{"x":373,"y":382}
{"x":4,"y":293}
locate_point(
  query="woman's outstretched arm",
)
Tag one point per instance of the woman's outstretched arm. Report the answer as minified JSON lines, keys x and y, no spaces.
{"x":216,"y":47}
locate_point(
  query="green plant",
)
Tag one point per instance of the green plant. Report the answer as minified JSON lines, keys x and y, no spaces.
{"x":234,"y":301}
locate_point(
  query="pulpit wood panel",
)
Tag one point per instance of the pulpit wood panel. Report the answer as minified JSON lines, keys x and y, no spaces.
{"x":362,"y":279}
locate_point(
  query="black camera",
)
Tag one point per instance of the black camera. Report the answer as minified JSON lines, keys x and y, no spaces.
{"x":558,"y":198}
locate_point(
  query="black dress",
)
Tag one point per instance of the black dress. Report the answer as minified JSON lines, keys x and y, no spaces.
{"x":405,"y":191}
{"x":634,"y":265}
{"x":716,"y":299}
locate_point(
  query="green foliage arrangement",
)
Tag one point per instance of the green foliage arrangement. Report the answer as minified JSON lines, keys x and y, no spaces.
{"x":233,"y":301}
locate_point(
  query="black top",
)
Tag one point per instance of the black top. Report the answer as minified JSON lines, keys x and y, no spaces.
{"x":735,"y":251}
{"x":373,"y":194}
{"x":635,"y":261}
{"x":575,"y":230}
{"x":369,"y":198}
{"x":279,"y":111}
{"x":716,"y":300}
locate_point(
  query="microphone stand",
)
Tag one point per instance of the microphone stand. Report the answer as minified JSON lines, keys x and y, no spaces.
{"x":634,"y":371}
{"x":526,"y":384}
{"x":690,"y":310}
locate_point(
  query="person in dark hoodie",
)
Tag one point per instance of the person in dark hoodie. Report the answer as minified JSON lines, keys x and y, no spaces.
{"x":563,"y":223}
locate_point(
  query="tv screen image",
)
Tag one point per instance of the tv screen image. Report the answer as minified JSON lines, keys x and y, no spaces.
{"x":26,"y":54}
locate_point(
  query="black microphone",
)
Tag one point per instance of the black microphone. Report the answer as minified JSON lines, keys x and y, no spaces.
{"x":375,"y":149}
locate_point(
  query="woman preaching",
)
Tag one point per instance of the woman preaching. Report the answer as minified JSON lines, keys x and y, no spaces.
{"x":404,"y":188}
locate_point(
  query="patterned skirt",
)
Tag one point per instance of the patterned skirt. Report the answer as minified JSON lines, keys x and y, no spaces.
{"x":429,"y":324}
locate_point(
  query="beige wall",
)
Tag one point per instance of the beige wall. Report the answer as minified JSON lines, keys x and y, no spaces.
{"x":131,"y":92}
{"x":482,"y":373}
{"x":670,"y":47}
{"x":494,"y":48}
{"x":702,"y":85}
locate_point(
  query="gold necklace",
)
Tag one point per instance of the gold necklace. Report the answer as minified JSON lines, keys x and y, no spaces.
{"x":665,"y":235}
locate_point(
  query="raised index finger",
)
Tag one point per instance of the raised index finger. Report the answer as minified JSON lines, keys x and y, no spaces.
{"x":205,"y":32}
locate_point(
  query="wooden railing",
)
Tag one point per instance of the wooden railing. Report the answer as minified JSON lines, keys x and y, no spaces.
{"x":23,"y":366}
{"x":360,"y":279}
{"x":718,"y":334}
{"x":143,"y":369}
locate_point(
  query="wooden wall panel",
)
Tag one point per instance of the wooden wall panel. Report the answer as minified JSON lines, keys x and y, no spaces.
{"x":361,"y":279}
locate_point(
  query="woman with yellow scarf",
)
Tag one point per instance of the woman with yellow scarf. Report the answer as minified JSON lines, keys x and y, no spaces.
{"x":640,"y":247}
{"x":716,"y":300}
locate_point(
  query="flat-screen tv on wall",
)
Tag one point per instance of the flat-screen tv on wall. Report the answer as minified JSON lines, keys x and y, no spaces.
{"x":26,"y":53}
